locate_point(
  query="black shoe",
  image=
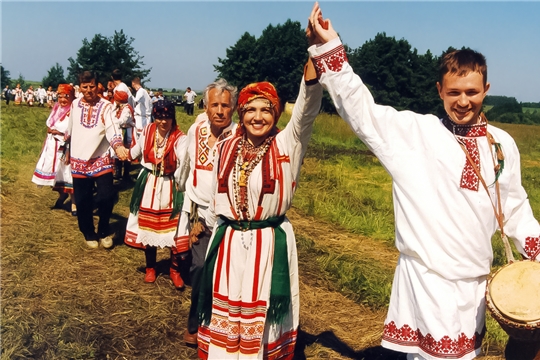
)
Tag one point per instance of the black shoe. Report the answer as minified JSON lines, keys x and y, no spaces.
{"x":59,"y":204}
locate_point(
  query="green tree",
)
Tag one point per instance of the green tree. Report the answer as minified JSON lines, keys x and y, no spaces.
{"x":20,"y":80}
{"x":396,"y":74}
{"x":281,"y":52}
{"x":509,"y":111}
{"x":239,"y":67}
{"x":5,"y":78}
{"x":103,"y":55}
{"x":277,"y":56}
{"x":55,"y":76}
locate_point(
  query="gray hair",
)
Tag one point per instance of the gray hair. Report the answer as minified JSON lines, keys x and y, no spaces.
{"x":222,"y":85}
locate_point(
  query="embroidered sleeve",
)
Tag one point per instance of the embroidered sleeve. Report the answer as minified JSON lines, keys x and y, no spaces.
{"x":112,"y":130}
{"x":520,"y":222}
{"x":532,"y":247}
{"x":332,"y":60}
{"x":136,"y":150}
{"x":182,"y":170}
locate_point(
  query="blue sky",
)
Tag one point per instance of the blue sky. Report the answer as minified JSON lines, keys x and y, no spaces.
{"x":181,"y":40}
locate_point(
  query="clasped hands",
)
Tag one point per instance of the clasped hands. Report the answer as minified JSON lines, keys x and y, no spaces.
{"x":319,"y":30}
{"x":122,"y":153}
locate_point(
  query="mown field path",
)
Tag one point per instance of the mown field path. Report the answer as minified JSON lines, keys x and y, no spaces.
{"x":61,"y":300}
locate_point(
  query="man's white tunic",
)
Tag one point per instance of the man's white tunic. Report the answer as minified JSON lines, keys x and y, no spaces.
{"x":195,"y":174}
{"x":443,"y":230}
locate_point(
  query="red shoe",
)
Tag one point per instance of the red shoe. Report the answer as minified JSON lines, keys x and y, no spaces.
{"x":176,"y":279}
{"x":150,"y":276}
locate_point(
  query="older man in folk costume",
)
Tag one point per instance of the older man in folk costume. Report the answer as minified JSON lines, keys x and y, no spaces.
{"x":444,"y":216}
{"x":249,"y":298}
{"x":156,"y":201}
{"x":92,"y":131}
{"x":195,"y":176}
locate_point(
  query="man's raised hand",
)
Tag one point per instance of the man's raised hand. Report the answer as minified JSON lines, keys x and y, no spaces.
{"x":322,"y":29}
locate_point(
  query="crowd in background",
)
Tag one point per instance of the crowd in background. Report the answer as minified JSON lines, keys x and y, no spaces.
{"x":48,"y":97}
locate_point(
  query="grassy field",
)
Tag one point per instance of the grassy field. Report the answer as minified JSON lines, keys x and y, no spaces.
{"x":525,"y":109}
{"x":63,"y":301}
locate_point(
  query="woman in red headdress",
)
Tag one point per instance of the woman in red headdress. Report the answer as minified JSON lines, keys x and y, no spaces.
{"x":249,"y":298}
{"x":124,"y":117}
{"x":51,"y":169}
{"x":156,"y":202}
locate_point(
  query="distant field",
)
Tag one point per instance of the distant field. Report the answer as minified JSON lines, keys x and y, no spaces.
{"x":525,"y":109}
{"x":530,"y":109}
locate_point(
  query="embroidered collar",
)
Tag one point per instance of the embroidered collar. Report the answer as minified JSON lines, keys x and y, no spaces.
{"x":475,"y":130}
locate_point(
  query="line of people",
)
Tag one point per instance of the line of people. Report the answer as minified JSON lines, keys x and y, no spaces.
{"x":219,"y":194}
{"x":30,"y":96}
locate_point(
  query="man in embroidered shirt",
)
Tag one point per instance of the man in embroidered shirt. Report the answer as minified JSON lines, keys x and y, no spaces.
{"x":190,"y":96}
{"x":444,"y":217}
{"x":195,"y":176}
{"x":92,"y":131}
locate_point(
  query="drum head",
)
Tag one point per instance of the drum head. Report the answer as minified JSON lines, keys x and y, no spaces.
{"x":515,"y":291}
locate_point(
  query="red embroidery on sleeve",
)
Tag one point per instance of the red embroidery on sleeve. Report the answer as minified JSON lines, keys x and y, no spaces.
{"x":333,"y":59}
{"x":532,"y":247}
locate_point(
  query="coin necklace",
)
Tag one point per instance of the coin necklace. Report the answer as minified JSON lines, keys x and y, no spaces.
{"x":247,"y":158}
{"x":159,"y":150}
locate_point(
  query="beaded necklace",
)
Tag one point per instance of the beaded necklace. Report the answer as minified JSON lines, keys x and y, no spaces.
{"x":247,"y":158}
{"x":159,"y":150}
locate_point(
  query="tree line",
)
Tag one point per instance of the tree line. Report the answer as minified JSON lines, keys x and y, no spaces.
{"x":396,"y":74}
{"x":102,"y":55}
{"x":508,"y":110}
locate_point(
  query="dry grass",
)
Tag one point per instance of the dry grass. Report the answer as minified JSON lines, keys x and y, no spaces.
{"x":63,"y":301}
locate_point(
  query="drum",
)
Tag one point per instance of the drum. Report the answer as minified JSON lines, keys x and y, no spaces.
{"x":513,"y":299}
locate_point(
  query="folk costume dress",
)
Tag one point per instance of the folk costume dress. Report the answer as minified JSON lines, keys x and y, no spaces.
{"x":50,"y":99}
{"x":444,"y":218}
{"x":151,"y":220}
{"x":51,"y":169}
{"x":30,"y":97}
{"x":249,"y":299}
{"x":18,"y":96}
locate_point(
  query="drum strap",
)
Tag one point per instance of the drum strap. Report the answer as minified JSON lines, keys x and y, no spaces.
{"x":496,"y":209}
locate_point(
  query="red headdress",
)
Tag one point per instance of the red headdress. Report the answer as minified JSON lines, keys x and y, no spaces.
{"x":264,"y":90}
{"x":65,"y":89}
{"x":121,"y":96}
